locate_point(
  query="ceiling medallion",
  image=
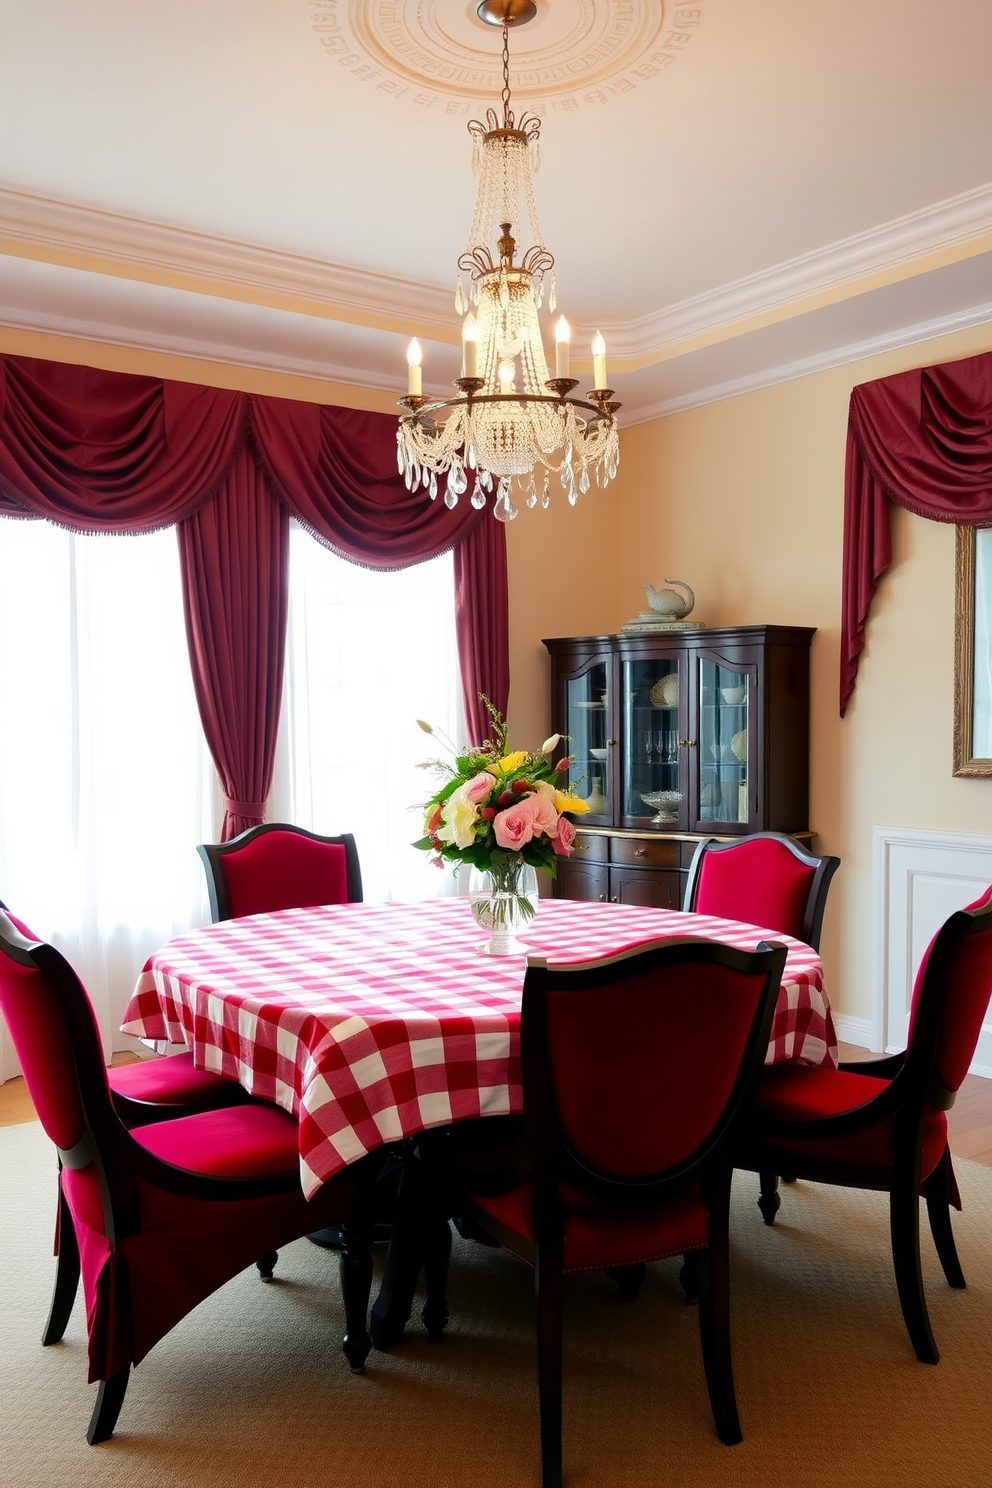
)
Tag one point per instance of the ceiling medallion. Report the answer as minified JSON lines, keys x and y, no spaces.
{"x":512,"y":426}
{"x":577,"y":54}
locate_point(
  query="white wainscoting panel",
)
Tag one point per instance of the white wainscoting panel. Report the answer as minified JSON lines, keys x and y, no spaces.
{"x":920,"y":878}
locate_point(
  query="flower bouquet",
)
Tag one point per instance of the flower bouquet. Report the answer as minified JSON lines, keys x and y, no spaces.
{"x":500,"y":811}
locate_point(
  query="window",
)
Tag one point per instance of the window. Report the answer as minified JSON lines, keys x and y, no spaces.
{"x":106,"y":785}
{"x":368,"y":653}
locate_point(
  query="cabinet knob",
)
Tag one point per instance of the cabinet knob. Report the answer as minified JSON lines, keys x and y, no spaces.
{"x":639,"y":852}
{"x":611,"y":742}
{"x":602,"y":898}
{"x":615,"y":899}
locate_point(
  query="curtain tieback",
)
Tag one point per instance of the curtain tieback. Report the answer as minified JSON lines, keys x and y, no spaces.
{"x":245,"y":808}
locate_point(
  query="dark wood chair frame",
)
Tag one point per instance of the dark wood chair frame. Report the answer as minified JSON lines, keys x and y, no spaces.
{"x":915,"y":1085}
{"x":214,"y":853}
{"x":551,"y":1159}
{"x":825,"y":867}
{"x":106,"y":1142}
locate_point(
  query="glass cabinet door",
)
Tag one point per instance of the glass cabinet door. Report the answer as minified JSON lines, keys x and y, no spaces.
{"x":725,"y":705}
{"x":651,"y":784}
{"x":587,"y":724}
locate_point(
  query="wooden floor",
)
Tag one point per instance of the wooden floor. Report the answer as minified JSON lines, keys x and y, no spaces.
{"x":970,"y":1121}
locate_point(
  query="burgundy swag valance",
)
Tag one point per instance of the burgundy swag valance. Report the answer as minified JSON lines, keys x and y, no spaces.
{"x":924,"y":440}
{"x":109,"y":452}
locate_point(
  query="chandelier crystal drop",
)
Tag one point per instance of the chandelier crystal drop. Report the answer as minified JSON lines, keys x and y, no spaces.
{"x":512,"y":426}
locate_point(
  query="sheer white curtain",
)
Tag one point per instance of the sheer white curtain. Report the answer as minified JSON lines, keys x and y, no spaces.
{"x":106,"y":785}
{"x":368,"y":653}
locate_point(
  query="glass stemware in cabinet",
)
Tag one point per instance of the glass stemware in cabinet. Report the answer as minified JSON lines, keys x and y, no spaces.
{"x":723,"y":746}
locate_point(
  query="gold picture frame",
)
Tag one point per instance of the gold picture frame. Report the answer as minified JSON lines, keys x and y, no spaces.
{"x":970,"y":613}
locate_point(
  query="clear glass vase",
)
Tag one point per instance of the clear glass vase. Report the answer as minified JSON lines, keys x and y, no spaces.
{"x":503,"y":902}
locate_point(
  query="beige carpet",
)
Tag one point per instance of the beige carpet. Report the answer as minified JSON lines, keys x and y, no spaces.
{"x":252,"y":1389}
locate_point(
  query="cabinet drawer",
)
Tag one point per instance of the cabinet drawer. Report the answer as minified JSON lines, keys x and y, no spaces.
{"x":589,"y":848}
{"x":645,"y":852}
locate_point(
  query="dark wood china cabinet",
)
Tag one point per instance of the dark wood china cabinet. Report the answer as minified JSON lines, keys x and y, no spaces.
{"x":677,"y":735}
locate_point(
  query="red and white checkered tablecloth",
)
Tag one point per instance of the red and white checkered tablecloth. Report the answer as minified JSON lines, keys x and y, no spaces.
{"x":372,"y":1022}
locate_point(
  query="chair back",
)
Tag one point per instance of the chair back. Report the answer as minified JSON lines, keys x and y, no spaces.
{"x":765,"y":879}
{"x":277,"y":866}
{"x":950,"y":999}
{"x":636,"y":1067}
{"x":18,"y":924}
{"x":54,"y":1032}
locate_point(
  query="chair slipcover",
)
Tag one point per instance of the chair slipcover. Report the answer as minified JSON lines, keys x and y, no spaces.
{"x":165,"y":1214}
{"x":881,"y":1124}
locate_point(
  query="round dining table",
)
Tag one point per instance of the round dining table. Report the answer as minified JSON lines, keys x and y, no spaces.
{"x":371,"y":1023}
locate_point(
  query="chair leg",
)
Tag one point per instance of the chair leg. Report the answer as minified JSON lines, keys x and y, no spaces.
{"x":689,"y":1276}
{"x":109,"y":1399}
{"x":267,"y":1264}
{"x":904,"y":1227}
{"x":714,"y":1337}
{"x":629,"y":1279}
{"x":548,"y":1285}
{"x":356,"y":1286}
{"x":66,"y":1276}
{"x":437,"y":1258}
{"x":939,"y":1213}
{"x":769,"y":1201}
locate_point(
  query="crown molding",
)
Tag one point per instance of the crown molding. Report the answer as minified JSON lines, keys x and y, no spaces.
{"x":957,"y":228}
{"x":110,"y":243}
{"x":836,"y":356}
{"x":74,"y":236}
{"x":214,"y":349}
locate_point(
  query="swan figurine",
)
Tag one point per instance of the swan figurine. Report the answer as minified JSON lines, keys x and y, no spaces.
{"x":667,"y":603}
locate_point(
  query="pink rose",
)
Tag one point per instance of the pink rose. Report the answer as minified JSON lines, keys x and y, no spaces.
{"x":545,"y":815}
{"x":566,"y":836}
{"x":515,"y":826}
{"x":479,"y":787}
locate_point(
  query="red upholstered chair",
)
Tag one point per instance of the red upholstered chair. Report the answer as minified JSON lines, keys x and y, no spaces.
{"x":277,"y":866}
{"x":880,"y":1124}
{"x":636,"y":1071}
{"x":155,"y":1089}
{"x":765,"y":879}
{"x":165,"y":1214}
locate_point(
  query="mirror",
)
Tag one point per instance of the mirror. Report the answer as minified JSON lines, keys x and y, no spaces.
{"x":973,"y":652}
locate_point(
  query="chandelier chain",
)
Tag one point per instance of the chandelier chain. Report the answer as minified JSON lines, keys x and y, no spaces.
{"x":507,"y":115}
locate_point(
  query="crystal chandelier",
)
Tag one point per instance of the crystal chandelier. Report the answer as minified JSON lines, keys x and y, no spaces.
{"x":512,"y":425}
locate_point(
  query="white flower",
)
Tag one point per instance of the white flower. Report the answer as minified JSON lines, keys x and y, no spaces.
{"x":458,"y":819}
{"x":549,"y":745}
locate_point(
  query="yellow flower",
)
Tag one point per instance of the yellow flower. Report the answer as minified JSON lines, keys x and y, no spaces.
{"x":574,"y":805}
{"x":512,"y":762}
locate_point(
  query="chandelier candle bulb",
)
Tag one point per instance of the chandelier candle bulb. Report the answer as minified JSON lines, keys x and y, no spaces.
{"x":506,"y":370}
{"x":470,"y":347}
{"x":414,"y":380}
{"x":598,"y":361}
{"x":562,"y":336}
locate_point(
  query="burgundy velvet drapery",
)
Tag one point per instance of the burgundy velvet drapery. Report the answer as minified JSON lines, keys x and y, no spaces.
{"x":234,"y":555}
{"x":337,"y":475}
{"x":924,"y":440}
{"x":111,"y":452}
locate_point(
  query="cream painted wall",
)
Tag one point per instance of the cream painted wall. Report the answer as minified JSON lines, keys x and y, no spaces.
{"x":744,"y":500}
